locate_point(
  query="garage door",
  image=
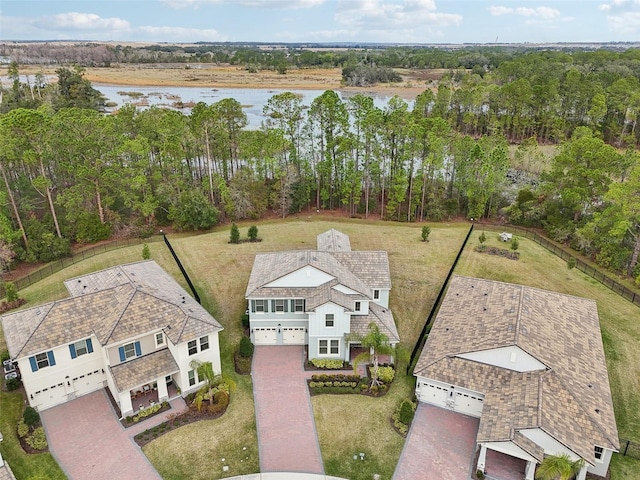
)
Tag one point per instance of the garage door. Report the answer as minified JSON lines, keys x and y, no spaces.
{"x":49,"y":397}
{"x":87,"y":383}
{"x":433,"y":394}
{"x":468,"y":404}
{"x":293,"y":336}
{"x":265,"y":336}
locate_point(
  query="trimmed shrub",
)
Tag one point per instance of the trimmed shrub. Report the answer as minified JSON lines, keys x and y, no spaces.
{"x":405,"y":415}
{"x":146,"y":253}
{"x":253,"y":233}
{"x":245,"y":320}
{"x":11,"y":291}
{"x":246,"y":347}
{"x":31,"y":416}
{"x":13,"y":384}
{"x":328,"y":363}
{"x":234,"y":236}
{"x":386,"y":374}
{"x":571,"y":263}
{"x":23,"y":429}
{"x":37,"y":439}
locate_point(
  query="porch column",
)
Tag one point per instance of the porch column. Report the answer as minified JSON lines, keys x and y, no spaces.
{"x":530,"y":471}
{"x":583,"y":473}
{"x":163,"y":394}
{"x":126,"y":406}
{"x":482,"y":458}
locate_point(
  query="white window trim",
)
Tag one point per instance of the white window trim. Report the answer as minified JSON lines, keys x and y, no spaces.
{"x":189,"y":348}
{"x":376,"y":294}
{"x":358,"y":306}
{"x":45,"y":359}
{"x":595,"y":453}
{"x":265,"y":306}
{"x":162,"y":342}
{"x":332,"y":319}
{"x":124,"y":348}
{"x":295,"y":305}
{"x":200,"y":343}
{"x":329,"y":346}
{"x":84,"y":343}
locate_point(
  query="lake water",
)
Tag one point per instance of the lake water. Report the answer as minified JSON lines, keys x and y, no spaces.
{"x":251,"y":99}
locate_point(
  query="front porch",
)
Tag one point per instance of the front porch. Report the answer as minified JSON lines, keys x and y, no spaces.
{"x":500,"y":466}
{"x":355,"y":350}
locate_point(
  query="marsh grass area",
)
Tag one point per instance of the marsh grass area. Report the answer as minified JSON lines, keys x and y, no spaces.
{"x":347,"y":424}
{"x":413,"y":82}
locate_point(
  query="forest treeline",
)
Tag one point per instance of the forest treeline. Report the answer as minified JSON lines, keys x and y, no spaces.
{"x":72,"y":174}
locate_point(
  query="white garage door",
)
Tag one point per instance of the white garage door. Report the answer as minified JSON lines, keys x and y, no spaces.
{"x":468,"y":404}
{"x":87,"y":383}
{"x":433,"y":394}
{"x":49,"y":397}
{"x":293,"y":336}
{"x":265,"y":336}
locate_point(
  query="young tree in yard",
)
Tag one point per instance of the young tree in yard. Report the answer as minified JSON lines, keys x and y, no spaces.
{"x":515,"y":243}
{"x":482,"y":238}
{"x":426,"y":230}
{"x":376,"y":343}
{"x":235,"y":234}
{"x":558,"y":467}
{"x":253,"y":233}
{"x":146,"y":253}
{"x":214,"y":382}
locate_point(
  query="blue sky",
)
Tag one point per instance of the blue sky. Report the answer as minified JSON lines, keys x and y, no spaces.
{"x":396,"y":21}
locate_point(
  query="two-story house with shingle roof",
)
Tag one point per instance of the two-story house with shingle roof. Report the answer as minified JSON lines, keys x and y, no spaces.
{"x":322,"y":298}
{"x":131,"y":328}
{"x":530,"y":364}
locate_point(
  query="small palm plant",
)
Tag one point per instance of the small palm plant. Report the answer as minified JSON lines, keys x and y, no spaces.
{"x":558,"y":467}
{"x":376,"y":343}
{"x":215,"y":382}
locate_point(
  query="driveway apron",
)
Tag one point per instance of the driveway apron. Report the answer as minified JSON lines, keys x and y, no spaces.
{"x":287,"y":436}
{"x":88,"y":441}
{"x":441,"y":444}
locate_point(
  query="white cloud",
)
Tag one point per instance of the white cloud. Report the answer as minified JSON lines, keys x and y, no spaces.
{"x":389,"y":15}
{"x":82,"y":22}
{"x":281,"y":4}
{"x":618,"y":4}
{"x":627,"y":23}
{"x":546,"y":13}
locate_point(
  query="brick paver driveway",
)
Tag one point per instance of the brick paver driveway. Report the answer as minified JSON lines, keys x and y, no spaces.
{"x":287,"y":436}
{"x":88,"y":441}
{"x":440,"y":445}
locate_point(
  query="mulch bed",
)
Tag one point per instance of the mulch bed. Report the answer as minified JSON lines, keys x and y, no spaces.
{"x":175,"y":421}
{"x":28,"y":449}
{"x":500,"y":252}
{"x":242,"y":365}
{"x":162,"y":409}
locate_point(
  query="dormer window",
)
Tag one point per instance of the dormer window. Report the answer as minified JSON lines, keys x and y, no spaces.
{"x":159,"y":339}
{"x":357,"y":306}
{"x":598,"y":452}
{"x":376,"y":294}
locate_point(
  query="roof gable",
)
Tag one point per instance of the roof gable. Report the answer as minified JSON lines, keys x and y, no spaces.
{"x":307,"y":276}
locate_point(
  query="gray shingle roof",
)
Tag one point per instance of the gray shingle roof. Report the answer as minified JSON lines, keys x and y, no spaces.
{"x":333,"y":241}
{"x":117,"y":304}
{"x":570,"y":399}
{"x":141,"y":370}
{"x":380,"y":316}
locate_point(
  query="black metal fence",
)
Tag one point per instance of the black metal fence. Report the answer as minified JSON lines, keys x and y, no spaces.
{"x":631,"y":295}
{"x":58,"y":265}
{"x":423,"y":335}
{"x":629,"y":449}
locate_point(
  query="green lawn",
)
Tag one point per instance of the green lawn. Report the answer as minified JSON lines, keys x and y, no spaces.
{"x":349,"y":424}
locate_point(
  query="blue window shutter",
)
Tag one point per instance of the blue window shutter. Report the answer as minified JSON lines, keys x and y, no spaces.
{"x":34,"y":365}
{"x":253,"y":306}
{"x":138,"y":351}
{"x":121,"y":351}
{"x":52,"y":359}
{"x":89,"y":346}
{"x":72,"y":350}
{"x":286,"y":306}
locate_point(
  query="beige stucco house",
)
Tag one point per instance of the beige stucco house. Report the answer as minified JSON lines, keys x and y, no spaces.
{"x":131,"y":328}
{"x":324,"y":298}
{"x":530,"y":364}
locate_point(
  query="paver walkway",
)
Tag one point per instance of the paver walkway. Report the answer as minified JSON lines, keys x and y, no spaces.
{"x":287,"y":437}
{"x":440,"y":445}
{"x":87,"y":440}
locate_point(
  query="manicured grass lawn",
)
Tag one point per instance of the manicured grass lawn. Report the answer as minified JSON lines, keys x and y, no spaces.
{"x":619,"y":322}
